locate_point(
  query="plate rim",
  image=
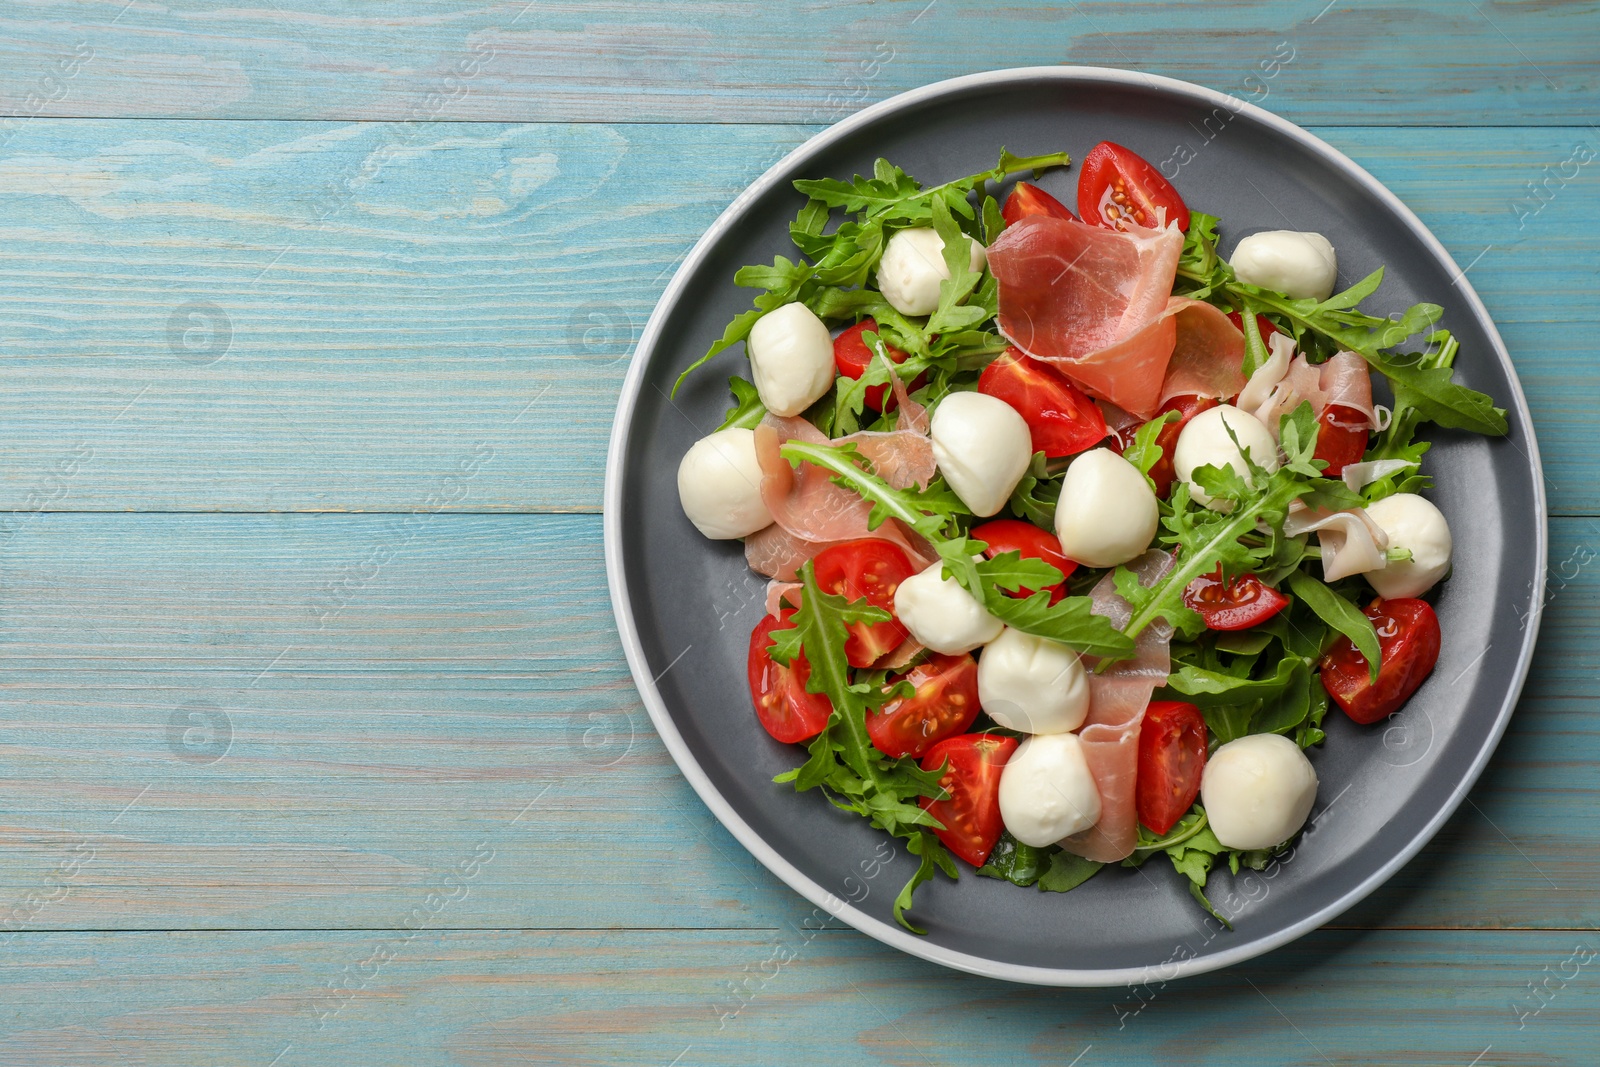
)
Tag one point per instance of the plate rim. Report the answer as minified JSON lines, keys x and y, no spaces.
{"x":766,"y":853}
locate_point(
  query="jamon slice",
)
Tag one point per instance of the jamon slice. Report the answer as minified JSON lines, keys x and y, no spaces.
{"x":1098,"y":304}
{"x":1117,"y":700}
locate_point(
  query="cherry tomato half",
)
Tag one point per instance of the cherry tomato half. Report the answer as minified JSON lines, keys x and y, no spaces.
{"x":1408,"y":643}
{"x":1118,"y":186}
{"x":1341,"y":438}
{"x":945,"y":703}
{"x":971,"y":816}
{"x":872,"y":569}
{"x":1237,"y":605}
{"x":1015,"y":535}
{"x":1025,"y":200}
{"x":1172,"y":755}
{"x":788,"y":712}
{"x":852,"y":357}
{"x":1187,"y":408}
{"x":1061,"y":418}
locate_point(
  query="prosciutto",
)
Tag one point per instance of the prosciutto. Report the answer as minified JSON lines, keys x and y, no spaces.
{"x":810,"y":512}
{"x":1117,"y":701}
{"x":1351,"y":542}
{"x":1097,"y":303}
{"x":1342,"y":380}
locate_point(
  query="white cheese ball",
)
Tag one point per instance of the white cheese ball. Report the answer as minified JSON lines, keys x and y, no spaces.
{"x":1046,"y":790}
{"x":1257,"y":791}
{"x":1415,"y":524}
{"x":791,"y":359}
{"x":719,"y":485}
{"x":1032,"y":684}
{"x":1205,"y":442}
{"x":912,"y":268}
{"x":942,"y":615}
{"x":1107,"y":513}
{"x":983,"y":449}
{"x":1294,"y":263}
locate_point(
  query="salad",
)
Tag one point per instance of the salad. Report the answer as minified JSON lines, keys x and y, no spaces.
{"x":1036,"y":492}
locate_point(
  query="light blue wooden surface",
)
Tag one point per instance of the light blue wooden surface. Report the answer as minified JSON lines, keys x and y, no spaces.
{"x":244,"y":754}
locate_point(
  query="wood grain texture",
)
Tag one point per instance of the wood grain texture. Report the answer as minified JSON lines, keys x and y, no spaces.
{"x":1442,"y":61}
{"x":302,"y":316}
{"x":784,"y":996}
{"x":174,"y":702}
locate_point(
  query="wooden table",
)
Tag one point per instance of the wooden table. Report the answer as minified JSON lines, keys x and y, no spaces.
{"x":316,"y":743}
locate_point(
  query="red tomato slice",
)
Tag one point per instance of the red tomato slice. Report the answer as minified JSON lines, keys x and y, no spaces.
{"x":788,"y":712}
{"x":1062,"y":420}
{"x":971,"y":816}
{"x":1172,"y":755}
{"x":1117,"y":186}
{"x":1237,"y":605}
{"x":1015,"y":535}
{"x":945,"y":703}
{"x":852,"y":357}
{"x":1341,"y":438}
{"x":870,"y":569}
{"x":1026,"y":200}
{"x":1187,"y":408}
{"x":1408,"y":643}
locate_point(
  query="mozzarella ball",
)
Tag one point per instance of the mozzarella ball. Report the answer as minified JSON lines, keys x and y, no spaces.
{"x":1295,"y":264}
{"x":1415,"y":524}
{"x":1107,"y":513}
{"x":719,"y":485}
{"x":791,"y":359}
{"x":983,"y":449}
{"x":942,"y":615}
{"x":912,"y":268}
{"x":1205,"y":442}
{"x":1257,"y":791}
{"x":1032,"y":684}
{"x":1046,"y":790}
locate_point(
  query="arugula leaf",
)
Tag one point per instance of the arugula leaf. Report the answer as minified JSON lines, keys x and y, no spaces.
{"x":890,"y":194}
{"x":736,"y":331}
{"x":1071,"y":621}
{"x":1207,"y":539}
{"x":1210,"y":689}
{"x":1145,"y":453}
{"x":931,"y":511}
{"x":1340,"y":614}
{"x":1036,"y":494}
{"x":1067,"y":872}
{"x":933,"y":855}
{"x":843,"y":761}
{"x":951,"y":314}
{"x":1015,"y":862}
{"x":1201,"y":271}
{"x":747,"y":410}
{"x":1428,"y":388}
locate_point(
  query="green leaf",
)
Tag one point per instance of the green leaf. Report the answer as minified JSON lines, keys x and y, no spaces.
{"x":747,"y":410}
{"x":950,"y":315}
{"x":934,"y":856}
{"x":737,"y":331}
{"x":890,"y":194}
{"x":1340,"y":614}
{"x":1071,"y":621}
{"x":1035,"y":496}
{"x":1145,"y":453}
{"x":1439,"y":399}
{"x":1067,"y":872}
{"x":1014,"y":862}
{"x":1210,"y":689}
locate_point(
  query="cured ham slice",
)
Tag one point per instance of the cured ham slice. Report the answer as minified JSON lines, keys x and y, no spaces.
{"x":1207,"y":354}
{"x":809,"y":511}
{"x":779,"y":592}
{"x":1351,"y":542}
{"x":1098,"y":304}
{"x":1117,"y":701}
{"x":1342,"y":380}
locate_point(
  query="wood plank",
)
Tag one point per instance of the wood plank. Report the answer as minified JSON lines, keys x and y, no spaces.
{"x":172,"y":704}
{"x":713,"y":997}
{"x":205,"y":316}
{"x":719,"y":60}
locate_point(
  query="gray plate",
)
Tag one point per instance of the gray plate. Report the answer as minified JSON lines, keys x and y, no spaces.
{"x":686,"y":605}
